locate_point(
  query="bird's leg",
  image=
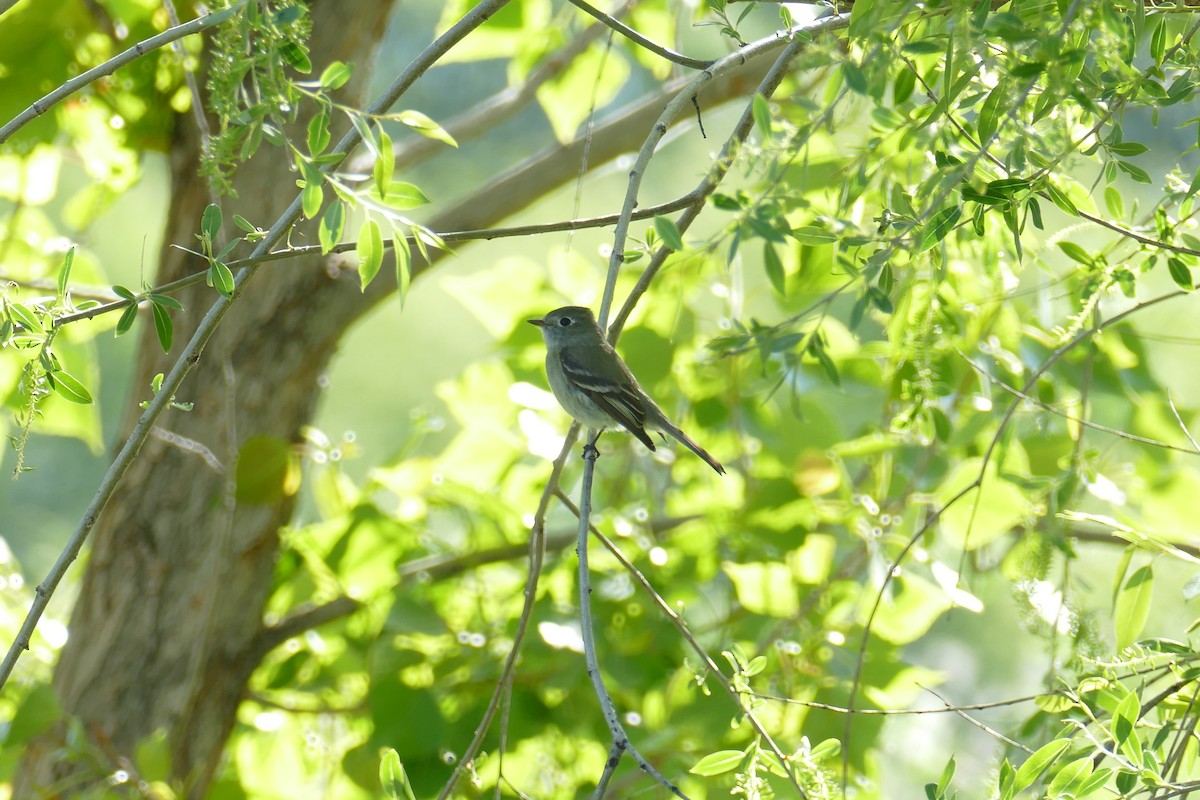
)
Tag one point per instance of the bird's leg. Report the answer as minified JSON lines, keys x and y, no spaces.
{"x":589,"y":449}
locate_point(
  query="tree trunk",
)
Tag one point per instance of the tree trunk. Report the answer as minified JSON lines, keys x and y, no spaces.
{"x":163,"y":633}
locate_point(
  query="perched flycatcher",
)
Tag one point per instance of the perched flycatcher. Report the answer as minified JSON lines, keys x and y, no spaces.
{"x":595,"y":387}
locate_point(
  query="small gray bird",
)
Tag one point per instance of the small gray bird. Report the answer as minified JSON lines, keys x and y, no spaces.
{"x":595,"y":387}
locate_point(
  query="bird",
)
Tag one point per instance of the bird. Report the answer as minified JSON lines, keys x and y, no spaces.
{"x":594,"y":385}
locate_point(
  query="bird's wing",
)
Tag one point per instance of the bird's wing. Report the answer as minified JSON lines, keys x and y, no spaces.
{"x":615,"y":393}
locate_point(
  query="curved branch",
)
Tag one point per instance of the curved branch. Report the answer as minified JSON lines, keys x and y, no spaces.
{"x":44,"y":104}
{"x":483,"y":117}
{"x":641,"y":41}
{"x":798,"y":36}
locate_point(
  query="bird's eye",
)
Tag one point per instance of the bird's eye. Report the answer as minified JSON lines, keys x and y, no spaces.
{"x":565,"y":322}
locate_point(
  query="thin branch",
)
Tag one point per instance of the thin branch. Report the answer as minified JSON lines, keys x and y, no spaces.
{"x":537,"y":554}
{"x":273,"y":636}
{"x":189,"y":77}
{"x":1182,"y":426}
{"x":208,"y":326}
{"x":44,"y":104}
{"x":641,"y":41}
{"x":686,"y":634}
{"x":483,"y":117}
{"x":450,"y":237}
{"x":1015,"y":392}
{"x":620,"y":740}
{"x":798,"y":35}
{"x":985,"y":728}
{"x":434,"y":566}
{"x":897,"y":712}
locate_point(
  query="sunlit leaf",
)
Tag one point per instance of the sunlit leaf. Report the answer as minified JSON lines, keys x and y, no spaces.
{"x":370,"y":252}
{"x":69,"y":387}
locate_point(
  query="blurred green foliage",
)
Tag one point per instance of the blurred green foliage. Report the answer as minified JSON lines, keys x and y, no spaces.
{"x":923,"y":328}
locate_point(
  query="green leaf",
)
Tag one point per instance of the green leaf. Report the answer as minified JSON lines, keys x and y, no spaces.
{"x":1133,"y":606}
{"x":333,"y":223}
{"x":127,"y":318}
{"x":402,"y":195}
{"x":670,"y":234}
{"x":165,"y":300}
{"x":1128,"y":148}
{"x":318,"y":133}
{"x":1132,"y":170}
{"x":880,"y":300}
{"x":718,"y":763}
{"x":923,"y":47}
{"x":313,"y":194}
{"x":221,"y":278}
{"x":774,"y":268}
{"x":1060,"y":199}
{"x":811,"y":234}
{"x":989,"y":113}
{"x":856,"y":79}
{"x":385,"y":165}
{"x":295,"y":56}
{"x":1069,"y":777}
{"x":1180,"y":273}
{"x":64,"y":272}
{"x":942,"y":223}
{"x":36,"y":712}
{"x":1076,"y":253}
{"x":124,"y":293}
{"x":825,"y":749}
{"x":403,"y":263}
{"x":1114,"y":202}
{"x":162,"y":326}
{"x":1095,"y":782}
{"x":1125,"y":716}
{"x":370,"y":252}
{"x":1158,"y":41}
{"x":761,"y":111}
{"x":1037,"y":764}
{"x":902,"y":89}
{"x":335,"y":76}
{"x":244,"y":223}
{"x":210,"y":222}
{"x":69,"y":387}
{"x":26,"y":318}
{"x":393,"y":778}
{"x":425,"y":126}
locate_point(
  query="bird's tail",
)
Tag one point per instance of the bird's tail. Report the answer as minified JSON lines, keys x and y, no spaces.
{"x":687,"y":442}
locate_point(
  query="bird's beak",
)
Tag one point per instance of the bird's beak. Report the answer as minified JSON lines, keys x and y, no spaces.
{"x":541,"y":323}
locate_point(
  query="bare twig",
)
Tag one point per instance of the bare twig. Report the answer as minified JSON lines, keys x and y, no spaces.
{"x":537,"y":553}
{"x":44,"y":104}
{"x":449,"y":237}
{"x":1096,"y":426}
{"x":677,"y":621}
{"x":483,"y":117}
{"x":641,"y":41}
{"x":620,"y":740}
{"x":208,"y":326}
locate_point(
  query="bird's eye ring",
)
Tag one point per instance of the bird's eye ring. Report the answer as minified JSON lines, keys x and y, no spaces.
{"x":565,"y":322}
